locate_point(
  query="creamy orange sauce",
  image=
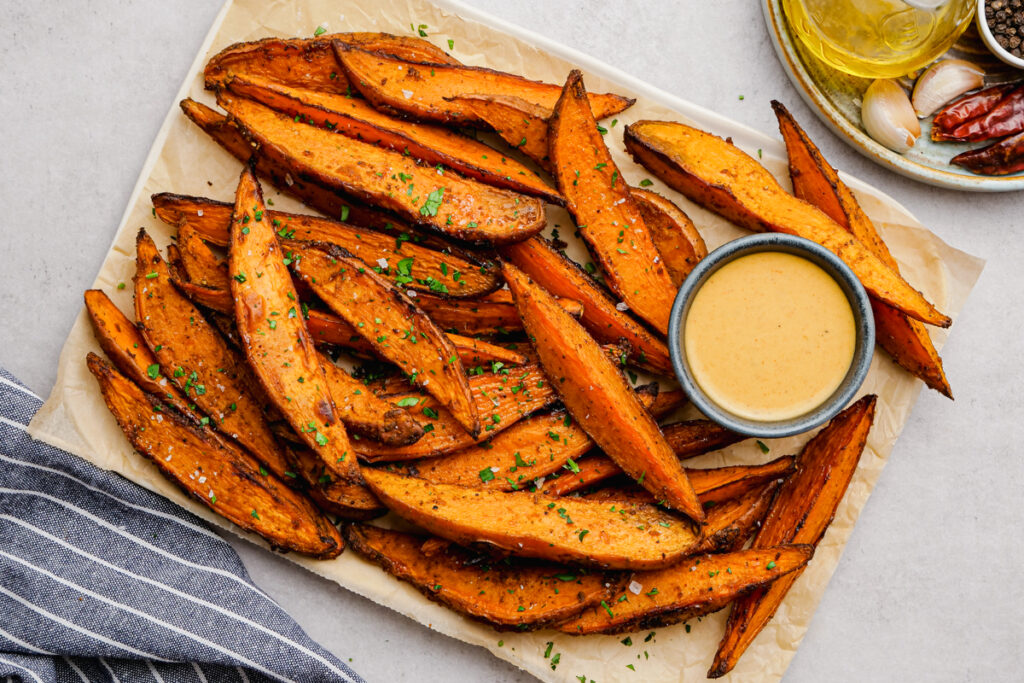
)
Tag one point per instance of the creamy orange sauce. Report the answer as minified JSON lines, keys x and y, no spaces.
{"x":769,"y":336}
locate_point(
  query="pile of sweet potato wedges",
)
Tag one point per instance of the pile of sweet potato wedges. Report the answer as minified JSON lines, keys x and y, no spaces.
{"x":491,"y":409}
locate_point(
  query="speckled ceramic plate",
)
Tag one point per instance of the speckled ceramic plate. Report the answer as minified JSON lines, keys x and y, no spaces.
{"x":836,"y":97}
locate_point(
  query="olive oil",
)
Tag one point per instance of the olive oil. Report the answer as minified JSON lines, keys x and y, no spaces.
{"x":878,"y":38}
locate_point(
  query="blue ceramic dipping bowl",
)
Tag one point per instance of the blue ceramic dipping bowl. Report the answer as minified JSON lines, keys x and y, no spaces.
{"x":864,"y":323}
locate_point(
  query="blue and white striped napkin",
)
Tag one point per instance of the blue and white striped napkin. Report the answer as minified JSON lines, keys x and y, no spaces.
{"x":102,"y":580}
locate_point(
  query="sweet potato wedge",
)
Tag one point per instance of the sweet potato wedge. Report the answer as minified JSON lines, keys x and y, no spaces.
{"x":202,"y":266}
{"x":194,"y":357}
{"x":384,"y":81}
{"x":713,"y":485}
{"x":443,"y":203}
{"x":278,"y":345}
{"x":687,"y":439}
{"x":694,"y":587}
{"x":454,"y":272}
{"x":598,"y":397}
{"x":522,"y":124}
{"x":430,"y":144}
{"x":720,"y":177}
{"x":310,"y":62}
{"x":389,"y":320}
{"x":680,"y":245}
{"x":521,"y":596}
{"x":486,"y":315}
{"x":562,"y":277}
{"x":231,"y":482}
{"x":802,"y":510}
{"x":341,"y":497}
{"x":525,"y":453}
{"x":365,"y":414}
{"x":606,"y":216}
{"x":501,"y":400}
{"x":731,"y":523}
{"x":127,"y":349}
{"x":284,"y":176}
{"x":816,"y":182}
{"x":533,"y":525}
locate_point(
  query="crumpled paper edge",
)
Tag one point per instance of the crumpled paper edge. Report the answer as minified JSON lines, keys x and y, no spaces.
{"x":75,"y":419}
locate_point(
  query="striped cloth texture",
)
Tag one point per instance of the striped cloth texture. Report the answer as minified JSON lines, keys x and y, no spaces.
{"x":102,"y":580}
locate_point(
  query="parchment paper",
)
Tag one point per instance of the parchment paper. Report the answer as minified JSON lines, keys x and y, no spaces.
{"x":184,"y":160}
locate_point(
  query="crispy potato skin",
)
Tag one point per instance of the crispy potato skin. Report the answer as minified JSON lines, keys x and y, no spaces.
{"x":801,"y":513}
{"x":720,"y":177}
{"x":694,"y":587}
{"x":233,"y":485}
{"x":310,"y":62}
{"x":522,"y":124}
{"x":563,"y":278}
{"x":194,"y":357}
{"x":598,"y":397}
{"x":447,"y":204}
{"x":606,"y":216}
{"x":534,"y":525}
{"x":389,"y":320}
{"x":816,"y":182}
{"x":520,"y":596}
{"x":476,"y":276}
{"x":501,"y":400}
{"x":674,"y":235}
{"x":433,"y":86}
{"x":276,"y":341}
{"x":688,"y":439}
{"x":430,"y":144}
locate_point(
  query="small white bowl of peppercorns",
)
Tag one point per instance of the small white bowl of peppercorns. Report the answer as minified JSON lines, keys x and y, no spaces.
{"x":1001,"y":24}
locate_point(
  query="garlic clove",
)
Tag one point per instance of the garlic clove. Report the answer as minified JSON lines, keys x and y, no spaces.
{"x":888,"y":116}
{"x":943,"y":82}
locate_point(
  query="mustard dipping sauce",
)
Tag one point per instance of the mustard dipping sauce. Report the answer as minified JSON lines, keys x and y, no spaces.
{"x":769,"y":336}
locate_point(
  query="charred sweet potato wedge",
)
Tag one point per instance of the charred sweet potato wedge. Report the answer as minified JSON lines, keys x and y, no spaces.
{"x":688,"y":439}
{"x":310,"y":62}
{"x":430,"y":144}
{"x":521,"y":596}
{"x":127,"y":349}
{"x":523,"y":454}
{"x":533,"y":525}
{"x":597,"y":395}
{"x":501,"y":401}
{"x":696,"y":586}
{"x":443,"y":203}
{"x":274,"y":335}
{"x":367,"y":415}
{"x":384,"y":81}
{"x":816,"y":182}
{"x":680,"y":245}
{"x":202,"y":266}
{"x":454,"y":273}
{"x":731,"y":523}
{"x":606,"y":215}
{"x":562,"y":277}
{"x":486,"y":315}
{"x":720,"y":177}
{"x":801,"y":513}
{"x":522,"y":124}
{"x":282,"y":175}
{"x":232,"y":485}
{"x":195,"y":358}
{"x":388,"y":319}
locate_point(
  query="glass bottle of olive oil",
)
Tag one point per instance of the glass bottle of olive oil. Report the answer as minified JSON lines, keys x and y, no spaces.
{"x":878,"y":38}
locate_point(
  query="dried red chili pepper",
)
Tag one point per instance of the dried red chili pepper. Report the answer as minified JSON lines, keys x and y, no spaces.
{"x":969,"y":107}
{"x":1006,"y":118}
{"x":1002,"y":158}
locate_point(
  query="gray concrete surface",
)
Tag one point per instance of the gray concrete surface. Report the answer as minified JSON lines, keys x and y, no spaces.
{"x":929,"y":587}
